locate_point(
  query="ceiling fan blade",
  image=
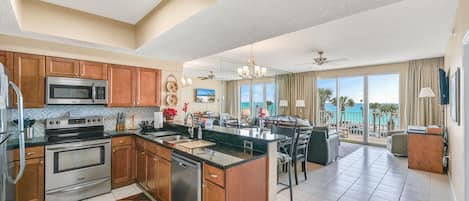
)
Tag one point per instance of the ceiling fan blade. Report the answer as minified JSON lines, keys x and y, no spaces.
{"x":337,"y":60}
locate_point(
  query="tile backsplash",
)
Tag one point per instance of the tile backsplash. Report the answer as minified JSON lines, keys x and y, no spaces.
{"x":109,"y":114}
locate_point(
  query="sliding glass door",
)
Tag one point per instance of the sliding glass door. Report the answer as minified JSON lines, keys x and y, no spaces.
{"x":351,"y":109}
{"x":257,"y":96}
{"x":364,"y":109}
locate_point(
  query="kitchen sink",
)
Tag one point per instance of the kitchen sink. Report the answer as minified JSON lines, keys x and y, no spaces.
{"x":174,"y":139}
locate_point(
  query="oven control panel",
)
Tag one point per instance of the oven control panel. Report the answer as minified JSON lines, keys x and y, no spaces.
{"x":58,"y":123}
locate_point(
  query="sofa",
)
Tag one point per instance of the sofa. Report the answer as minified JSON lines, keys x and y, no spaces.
{"x":323,"y":146}
{"x":397,"y":144}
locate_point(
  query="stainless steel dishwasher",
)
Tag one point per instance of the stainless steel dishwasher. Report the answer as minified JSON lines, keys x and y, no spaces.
{"x":186,"y":179}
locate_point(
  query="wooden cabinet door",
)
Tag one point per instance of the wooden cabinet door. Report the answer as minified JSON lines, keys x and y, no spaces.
{"x":152,"y":178}
{"x":62,"y":67}
{"x":6,"y":58}
{"x":164,"y":180}
{"x":29,"y":74}
{"x":148,"y":87}
{"x":93,"y":70}
{"x":121,"y":84}
{"x":31,"y":186}
{"x":141,"y":168}
{"x":213,"y":192}
{"x":122,"y":170}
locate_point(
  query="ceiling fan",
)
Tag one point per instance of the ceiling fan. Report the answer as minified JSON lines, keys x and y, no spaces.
{"x":211,"y":76}
{"x":320,"y":60}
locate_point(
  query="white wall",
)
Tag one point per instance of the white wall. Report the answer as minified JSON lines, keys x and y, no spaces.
{"x":457,"y":138}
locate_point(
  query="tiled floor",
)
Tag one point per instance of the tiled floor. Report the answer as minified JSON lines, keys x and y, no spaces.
{"x":118,"y":193}
{"x":369,"y":174}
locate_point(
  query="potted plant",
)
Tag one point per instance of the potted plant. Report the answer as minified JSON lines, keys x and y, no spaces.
{"x":169,"y":114}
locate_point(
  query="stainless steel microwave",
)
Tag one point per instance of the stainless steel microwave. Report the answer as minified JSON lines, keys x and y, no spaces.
{"x":62,"y":90}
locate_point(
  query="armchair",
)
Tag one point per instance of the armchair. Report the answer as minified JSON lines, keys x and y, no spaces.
{"x":323,"y":147}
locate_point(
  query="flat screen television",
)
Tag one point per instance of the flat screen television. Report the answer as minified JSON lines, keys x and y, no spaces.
{"x":204,"y":95}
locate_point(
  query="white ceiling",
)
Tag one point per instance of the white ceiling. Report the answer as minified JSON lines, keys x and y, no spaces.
{"x":407,"y":30}
{"x":128,"y":11}
{"x":229,"y":24}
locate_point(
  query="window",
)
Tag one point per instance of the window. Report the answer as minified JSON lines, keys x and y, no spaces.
{"x":257,"y":95}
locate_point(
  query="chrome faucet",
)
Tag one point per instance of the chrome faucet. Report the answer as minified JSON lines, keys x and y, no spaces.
{"x":191,"y":127}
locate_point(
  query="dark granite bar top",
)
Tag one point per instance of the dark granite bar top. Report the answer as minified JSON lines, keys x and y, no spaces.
{"x":252,"y":133}
{"x":220,"y":155}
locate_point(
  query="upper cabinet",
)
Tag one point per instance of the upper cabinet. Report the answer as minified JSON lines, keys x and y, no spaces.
{"x":121,"y":86}
{"x":129,"y":86}
{"x":29,"y":74}
{"x":6,"y":58}
{"x":93,"y":70}
{"x":148,"y":87}
{"x":62,"y":67}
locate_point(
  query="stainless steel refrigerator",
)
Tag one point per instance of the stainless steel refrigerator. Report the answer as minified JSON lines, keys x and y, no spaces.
{"x":8,"y":179}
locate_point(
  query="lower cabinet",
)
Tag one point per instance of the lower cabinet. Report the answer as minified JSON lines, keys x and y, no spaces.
{"x":247,"y":182}
{"x":31,"y":185}
{"x":123,"y":161}
{"x":213,"y":192}
{"x":154,"y":170}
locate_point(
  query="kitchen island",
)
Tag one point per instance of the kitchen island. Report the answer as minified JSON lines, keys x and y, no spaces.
{"x":240,"y":165}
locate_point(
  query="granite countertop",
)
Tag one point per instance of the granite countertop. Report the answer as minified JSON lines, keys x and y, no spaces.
{"x":219,"y":155}
{"x":252,"y":133}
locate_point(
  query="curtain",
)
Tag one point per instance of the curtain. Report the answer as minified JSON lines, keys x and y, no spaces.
{"x":303,"y":87}
{"x":231,"y":98}
{"x":423,"y":73}
{"x":283,"y":92}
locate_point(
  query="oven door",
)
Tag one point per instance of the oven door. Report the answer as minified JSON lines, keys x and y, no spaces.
{"x":73,"y":163}
{"x":61,"y":90}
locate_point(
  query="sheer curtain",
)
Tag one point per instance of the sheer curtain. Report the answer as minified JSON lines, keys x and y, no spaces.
{"x":298,"y":86}
{"x":231,"y":99}
{"x":423,"y":73}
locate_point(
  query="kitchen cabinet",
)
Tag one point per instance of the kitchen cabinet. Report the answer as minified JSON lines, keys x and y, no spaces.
{"x":31,"y":185}
{"x":93,"y":70}
{"x":6,"y":58}
{"x":148,"y":87}
{"x":123,"y":161}
{"x":152,"y":177}
{"x":154,"y":169}
{"x":163,"y":170}
{"x":231,"y":183}
{"x":62,"y":67}
{"x":29,"y":74}
{"x":129,"y":86}
{"x":213,"y":192}
{"x":121,"y":85}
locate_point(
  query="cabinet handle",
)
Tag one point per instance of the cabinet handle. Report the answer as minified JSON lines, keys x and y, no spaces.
{"x":214,"y":175}
{"x":155,"y":159}
{"x":30,"y":153}
{"x":113,"y":151}
{"x":122,"y":141}
{"x":41,"y":162}
{"x":143,"y":153}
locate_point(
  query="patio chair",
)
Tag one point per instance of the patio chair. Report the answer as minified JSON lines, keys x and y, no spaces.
{"x":396,"y":143}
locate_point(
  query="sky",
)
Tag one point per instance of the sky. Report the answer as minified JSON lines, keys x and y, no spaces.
{"x":381,"y":88}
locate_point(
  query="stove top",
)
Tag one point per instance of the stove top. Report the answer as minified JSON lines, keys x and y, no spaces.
{"x":65,"y":130}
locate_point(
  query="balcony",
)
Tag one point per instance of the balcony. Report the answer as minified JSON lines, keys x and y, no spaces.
{"x":351,"y":125}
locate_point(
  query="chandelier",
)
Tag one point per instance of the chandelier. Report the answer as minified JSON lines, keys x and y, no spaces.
{"x":251,"y":70}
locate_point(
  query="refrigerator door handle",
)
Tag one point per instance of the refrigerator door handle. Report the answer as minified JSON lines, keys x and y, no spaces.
{"x":20,"y":125}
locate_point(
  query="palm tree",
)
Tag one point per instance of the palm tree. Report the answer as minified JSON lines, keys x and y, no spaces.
{"x":344,"y":102}
{"x":324,"y":96}
{"x":374,"y":107}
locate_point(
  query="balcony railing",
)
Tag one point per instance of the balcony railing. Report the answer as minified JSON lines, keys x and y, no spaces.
{"x":380,"y":123}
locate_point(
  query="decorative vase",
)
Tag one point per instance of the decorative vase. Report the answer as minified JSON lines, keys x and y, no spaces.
{"x":169,"y":119}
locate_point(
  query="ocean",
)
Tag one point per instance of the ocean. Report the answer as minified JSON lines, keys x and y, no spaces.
{"x":352,"y":114}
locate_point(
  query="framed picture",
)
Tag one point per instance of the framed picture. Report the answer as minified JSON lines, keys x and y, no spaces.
{"x":455,"y":96}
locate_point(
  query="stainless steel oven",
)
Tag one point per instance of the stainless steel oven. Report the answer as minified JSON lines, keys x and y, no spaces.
{"x":62,"y":90}
{"x":78,"y":170}
{"x":78,"y":159}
